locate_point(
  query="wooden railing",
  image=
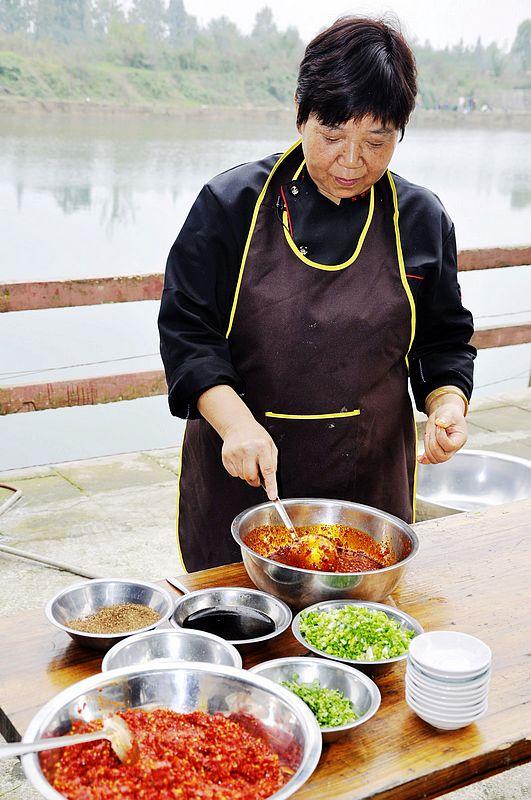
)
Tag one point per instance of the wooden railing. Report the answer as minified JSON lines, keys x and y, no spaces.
{"x":30,"y":296}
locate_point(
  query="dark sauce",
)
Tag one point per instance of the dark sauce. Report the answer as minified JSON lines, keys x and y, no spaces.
{"x":231,"y":622}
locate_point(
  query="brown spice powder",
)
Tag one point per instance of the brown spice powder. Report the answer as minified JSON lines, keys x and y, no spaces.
{"x":116,"y":619}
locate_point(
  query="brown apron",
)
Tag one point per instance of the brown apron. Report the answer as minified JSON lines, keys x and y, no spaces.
{"x":322,"y":351}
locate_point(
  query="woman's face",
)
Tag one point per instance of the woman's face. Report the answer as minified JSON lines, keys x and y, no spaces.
{"x":346,"y":160}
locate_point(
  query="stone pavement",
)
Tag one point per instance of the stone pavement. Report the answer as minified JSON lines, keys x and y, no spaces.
{"x":115,"y":516}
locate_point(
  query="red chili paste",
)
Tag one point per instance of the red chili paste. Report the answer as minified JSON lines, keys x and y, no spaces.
{"x":181,"y":756}
{"x":325,"y":548}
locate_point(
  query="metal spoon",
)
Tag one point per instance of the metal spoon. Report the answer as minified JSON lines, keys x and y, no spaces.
{"x":284,"y":516}
{"x":281,"y":510}
{"x":115,"y":729}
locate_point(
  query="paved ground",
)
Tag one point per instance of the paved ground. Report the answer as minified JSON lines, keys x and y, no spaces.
{"x":115,"y":516}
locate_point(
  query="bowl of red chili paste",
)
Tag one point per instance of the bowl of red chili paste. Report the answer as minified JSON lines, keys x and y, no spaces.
{"x":207,"y":730}
{"x":341,"y":550}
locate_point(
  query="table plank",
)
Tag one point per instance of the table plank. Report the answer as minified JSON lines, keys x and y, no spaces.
{"x":471,"y":574}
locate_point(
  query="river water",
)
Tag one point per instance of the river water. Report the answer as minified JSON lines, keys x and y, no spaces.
{"x":87,"y":196}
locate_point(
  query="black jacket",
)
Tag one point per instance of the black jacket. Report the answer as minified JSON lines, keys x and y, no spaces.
{"x":204,"y":262}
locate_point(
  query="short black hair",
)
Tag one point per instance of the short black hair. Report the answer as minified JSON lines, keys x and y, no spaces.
{"x":357,"y":67}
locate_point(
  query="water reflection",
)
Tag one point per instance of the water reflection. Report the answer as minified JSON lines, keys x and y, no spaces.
{"x":521,"y":195}
{"x":118,"y":189}
{"x":117,"y":209}
{"x":72,"y":198}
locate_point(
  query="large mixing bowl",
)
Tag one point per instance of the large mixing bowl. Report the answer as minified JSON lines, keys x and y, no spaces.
{"x":473,"y":480}
{"x":304,"y":587}
{"x":185,"y":688}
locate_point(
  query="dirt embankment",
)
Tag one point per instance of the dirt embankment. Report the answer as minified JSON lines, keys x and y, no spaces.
{"x":421,"y":117}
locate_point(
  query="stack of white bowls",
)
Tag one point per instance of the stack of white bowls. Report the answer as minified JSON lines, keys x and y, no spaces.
{"x":447,"y":678}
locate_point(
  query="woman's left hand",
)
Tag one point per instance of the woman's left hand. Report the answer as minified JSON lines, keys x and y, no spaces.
{"x":446,"y":430}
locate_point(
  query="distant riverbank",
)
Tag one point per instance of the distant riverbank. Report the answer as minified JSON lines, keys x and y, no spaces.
{"x":422,"y":118}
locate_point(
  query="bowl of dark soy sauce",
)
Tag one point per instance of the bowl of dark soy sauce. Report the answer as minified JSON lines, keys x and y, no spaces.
{"x":240,"y":616}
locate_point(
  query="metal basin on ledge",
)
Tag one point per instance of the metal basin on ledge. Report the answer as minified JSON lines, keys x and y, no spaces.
{"x":473,"y":480}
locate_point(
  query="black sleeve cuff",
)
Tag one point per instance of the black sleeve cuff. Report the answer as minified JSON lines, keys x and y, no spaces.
{"x":191,"y":379}
{"x":425,"y":377}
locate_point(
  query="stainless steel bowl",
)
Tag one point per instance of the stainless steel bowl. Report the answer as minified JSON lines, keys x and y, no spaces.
{"x":360,"y":690}
{"x":400,"y":616}
{"x":473,"y":480}
{"x":171,"y":645}
{"x":185,"y":688}
{"x":275,"y":609}
{"x":302,"y":587}
{"x":83,"y":599}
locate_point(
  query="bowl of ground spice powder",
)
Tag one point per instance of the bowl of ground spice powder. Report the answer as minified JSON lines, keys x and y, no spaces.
{"x":101,"y":612}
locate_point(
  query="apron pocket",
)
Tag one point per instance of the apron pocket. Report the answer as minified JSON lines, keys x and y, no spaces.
{"x":339,"y":415}
{"x":317,"y":453}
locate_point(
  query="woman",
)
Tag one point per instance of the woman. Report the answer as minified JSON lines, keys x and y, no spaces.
{"x":301,"y":292}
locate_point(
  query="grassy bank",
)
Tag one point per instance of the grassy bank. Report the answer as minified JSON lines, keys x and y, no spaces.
{"x":45,"y":80}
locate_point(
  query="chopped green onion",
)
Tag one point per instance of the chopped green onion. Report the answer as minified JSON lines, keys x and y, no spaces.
{"x":330,"y":706}
{"x":355,"y":632}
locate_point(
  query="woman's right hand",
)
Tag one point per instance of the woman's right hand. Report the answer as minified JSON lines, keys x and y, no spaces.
{"x":250,"y":453}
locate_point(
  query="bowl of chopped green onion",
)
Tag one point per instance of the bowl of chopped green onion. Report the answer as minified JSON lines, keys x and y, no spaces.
{"x":356,"y":632}
{"x":340,"y":697}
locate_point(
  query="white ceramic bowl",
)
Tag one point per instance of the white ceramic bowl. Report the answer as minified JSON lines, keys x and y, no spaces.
{"x":447,"y":677}
{"x":457,"y":701}
{"x":446,"y":716}
{"x":461,"y":690}
{"x":437,"y":680}
{"x":438,"y":707}
{"x":447,"y":712}
{"x":441,"y":697}
{"x":451,"y":701}
{"x":450,"y":654}
{"x":443,"y":726}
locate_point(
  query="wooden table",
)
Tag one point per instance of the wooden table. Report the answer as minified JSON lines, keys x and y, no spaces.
{"x":472,"y":575}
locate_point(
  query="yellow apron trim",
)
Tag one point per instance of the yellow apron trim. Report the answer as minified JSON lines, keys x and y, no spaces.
{"x":299,"y":170}
{"x":314,"y":416}
{"x":407,"y":290}
{"x":316,"y":264}
{"x":179,"y":471}
{"x":401,"y":265}
{"x":251,"y":232}
{"x":416,"y":471}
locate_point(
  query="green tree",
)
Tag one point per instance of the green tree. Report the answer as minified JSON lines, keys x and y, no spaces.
{"x":63,"y":20}
{"x":495,"y":58}
{"x":16,"y":15}
{"x":291,"y":42}
{"x":104,"y":12}
{"x":522,"y":45}
{"x":264,"y":25}
{"x":150,"y":14}
{"x":182,"y":27}
{"x":127,"y":44}
{"x":225,"y":34}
